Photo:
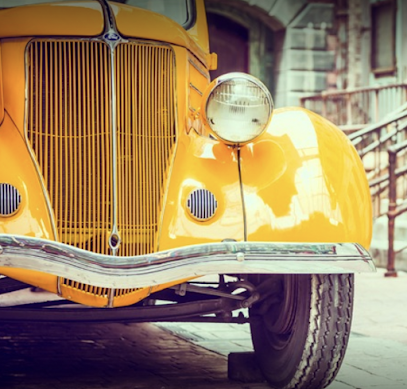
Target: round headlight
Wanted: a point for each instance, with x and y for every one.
(237, 107)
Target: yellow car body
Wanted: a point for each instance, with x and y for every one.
(102, 137)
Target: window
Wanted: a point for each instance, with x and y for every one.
(181, 11)
(383, 37)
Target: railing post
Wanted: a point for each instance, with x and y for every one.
(348, 109)
(391, 213)
(376, 101)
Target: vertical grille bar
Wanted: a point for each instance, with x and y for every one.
(69, 130)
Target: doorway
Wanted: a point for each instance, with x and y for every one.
(230, 41)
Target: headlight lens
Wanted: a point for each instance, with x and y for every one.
(238, 107)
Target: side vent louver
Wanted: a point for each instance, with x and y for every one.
(10, 199)
(202, 204)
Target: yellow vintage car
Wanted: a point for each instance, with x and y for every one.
(133, 188)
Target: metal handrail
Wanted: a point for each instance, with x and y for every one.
(391, 137)
(352, 109)
(343, 92)
(389, 119)
(393, 210)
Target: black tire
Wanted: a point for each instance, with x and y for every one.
(300, 339)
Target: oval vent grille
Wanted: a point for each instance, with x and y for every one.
(10, 199)
(202, 204)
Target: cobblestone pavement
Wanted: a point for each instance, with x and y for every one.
(114, 356)
(174, 355)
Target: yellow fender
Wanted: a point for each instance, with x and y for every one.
(303, 181)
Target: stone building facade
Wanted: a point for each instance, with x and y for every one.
(303, 47)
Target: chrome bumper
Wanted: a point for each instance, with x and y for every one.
(181, 263)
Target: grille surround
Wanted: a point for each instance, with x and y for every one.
(58, 105)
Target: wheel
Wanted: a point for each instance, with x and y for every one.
(300, 334)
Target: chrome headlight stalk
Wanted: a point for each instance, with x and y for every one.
(237, 107)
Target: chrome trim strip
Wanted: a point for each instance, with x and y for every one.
(112, 38)
(110, 297)
(242, 193)
(109, 20)
(115, 230)
(192, 86)
(181, 263)
(206, 75)
(59, 289)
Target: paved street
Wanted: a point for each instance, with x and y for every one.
(149, 356)
(106, 356)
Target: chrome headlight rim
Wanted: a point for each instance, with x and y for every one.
(225, 78)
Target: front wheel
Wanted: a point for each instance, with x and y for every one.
(300, 334)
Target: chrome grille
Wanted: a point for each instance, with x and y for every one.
(70, 132)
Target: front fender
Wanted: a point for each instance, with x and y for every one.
(202, 163)
(303, 181)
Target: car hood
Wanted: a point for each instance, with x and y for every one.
(86, 18)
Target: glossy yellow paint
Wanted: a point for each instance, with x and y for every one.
(80, 18)
(41, 280)
(33, 218)
(78, 295)
(311, 186)
(142, 293)
(13, 57)
(99, 297)
(202, 163)
(181, 91)
(199, 162)
(139, 23)
(199, 32)
(1, 92)
(49, 283)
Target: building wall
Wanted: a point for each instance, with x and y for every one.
(360, 45)
(289, 43)
(402, 40)
(303, 56)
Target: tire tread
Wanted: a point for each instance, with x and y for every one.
(331, 332)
